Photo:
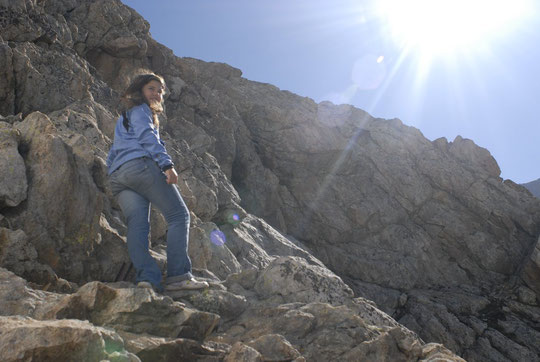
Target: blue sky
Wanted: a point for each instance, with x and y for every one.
(483, 83)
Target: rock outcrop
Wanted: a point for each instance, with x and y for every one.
(303, 214)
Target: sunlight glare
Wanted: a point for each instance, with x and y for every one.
(435, 27)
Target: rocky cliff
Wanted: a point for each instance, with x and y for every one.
(326, 234)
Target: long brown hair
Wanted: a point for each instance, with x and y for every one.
(133, 96)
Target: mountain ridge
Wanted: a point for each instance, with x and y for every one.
(533, 187)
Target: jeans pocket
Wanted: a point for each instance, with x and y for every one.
(136, 174)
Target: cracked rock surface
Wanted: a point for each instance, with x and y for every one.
(339, 236)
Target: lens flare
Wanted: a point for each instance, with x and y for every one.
(233, 218)
(217, 237)
(368, 72)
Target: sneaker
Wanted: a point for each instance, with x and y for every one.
(188, 284)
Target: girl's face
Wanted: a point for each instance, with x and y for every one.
(153, 92)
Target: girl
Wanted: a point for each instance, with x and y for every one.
(141, 172)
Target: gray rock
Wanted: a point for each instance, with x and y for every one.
(97, 303)
(426, 229)
(243, 353)
(527, 296)
(135, 310)
(48, 79)
(109, 27)
(255, 243)
(7, 81)
(23, 338)
(226, 305)
(150, 348)
(63, 207)
(463, 322)
(245, 279)
(379, 204)
(110, 261)
(531, 269)
(17, 298)
(13, 185)
(20, 257)
(274, 347)
(18, 21)
(320, 332)
(209, 192)
(208, 251)
(291, 279)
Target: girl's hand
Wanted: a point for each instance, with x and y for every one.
(172, 176)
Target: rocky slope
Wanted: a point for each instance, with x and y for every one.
(335, 209)
(533, 187)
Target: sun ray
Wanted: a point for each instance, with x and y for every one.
(443, 27)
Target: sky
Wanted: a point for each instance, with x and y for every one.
(449, 68)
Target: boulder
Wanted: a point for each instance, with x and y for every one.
(291, 279)
(227, 305)
(23, 338)
(274, 347)
(151, 348)
(63, 207)
(243, 353)
(19, 256)
(135, 310)
(19, 299)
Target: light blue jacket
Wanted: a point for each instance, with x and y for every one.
(139, 140)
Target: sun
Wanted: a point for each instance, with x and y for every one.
(441, 27)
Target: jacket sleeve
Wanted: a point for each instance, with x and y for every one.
(148, 137)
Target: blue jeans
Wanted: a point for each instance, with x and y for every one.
(136, 184)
